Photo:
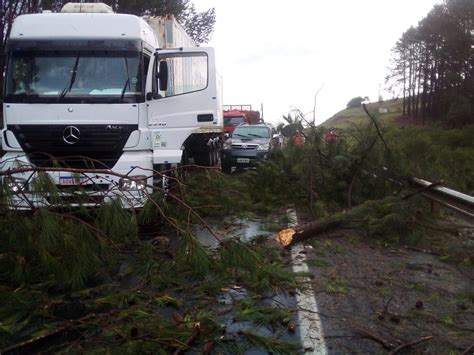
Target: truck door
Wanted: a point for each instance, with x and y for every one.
(191, 98)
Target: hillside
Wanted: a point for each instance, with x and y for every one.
(387, 111)
(433, 151)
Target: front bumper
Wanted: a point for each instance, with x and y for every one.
(93, 192)
(66, 189)
(242, 158)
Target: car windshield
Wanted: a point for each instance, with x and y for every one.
(234, 121)
(69, 76)
(252, 132)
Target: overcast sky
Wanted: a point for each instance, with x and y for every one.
(280, 53)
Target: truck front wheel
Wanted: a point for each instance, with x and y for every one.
(204, 158)
(182, 167)
(226, 168)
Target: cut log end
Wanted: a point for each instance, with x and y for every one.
(289, 236)
(285, 236)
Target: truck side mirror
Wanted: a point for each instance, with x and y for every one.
(163, 75)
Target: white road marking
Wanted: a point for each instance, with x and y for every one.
(309, 323)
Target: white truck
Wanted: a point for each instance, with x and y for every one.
(91, 89)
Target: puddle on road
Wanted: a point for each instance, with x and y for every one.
(246, 230)
(242, 228)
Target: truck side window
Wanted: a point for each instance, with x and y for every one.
(146, 65)
(154, 81)
(187, 72)
(157, 93)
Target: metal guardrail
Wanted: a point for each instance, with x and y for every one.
(452, 199)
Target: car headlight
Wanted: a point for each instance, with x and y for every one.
(16, 185)
(133, 183)
(265, 146)
(227, 146)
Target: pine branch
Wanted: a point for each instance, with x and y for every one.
(88, 225)
(374, 121)
(124, 176)
(68, 324)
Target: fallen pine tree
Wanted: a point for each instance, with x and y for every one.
(393, 220)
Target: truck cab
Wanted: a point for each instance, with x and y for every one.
(92, 93)
(235, 115)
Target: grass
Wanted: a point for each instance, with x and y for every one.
(321, 247)
(317, 262)
(349, 117)
(466, 299)
(448, 320)
(384, 291)
(419, 286)
(431, 152)
(336, 285)
(434, 297)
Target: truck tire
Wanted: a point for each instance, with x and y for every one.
(185, 157)
(204, 158)
(226, 168)
(217, 154)
(182, 172)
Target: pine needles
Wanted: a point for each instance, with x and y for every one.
(78, 279)
(262, 316)
(274, 346)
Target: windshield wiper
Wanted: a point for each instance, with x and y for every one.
(71, 80)
(256, 135)
(240, 135)
(125, 89)
(126, 82)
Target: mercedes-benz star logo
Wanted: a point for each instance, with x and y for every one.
(71, 135)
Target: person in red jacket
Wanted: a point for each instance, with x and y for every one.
(298, 139)
(330, 136)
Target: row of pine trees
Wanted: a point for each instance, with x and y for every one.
(432, 65)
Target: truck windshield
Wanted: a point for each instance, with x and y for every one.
(233, 121)
(252, 132)
(54, 76)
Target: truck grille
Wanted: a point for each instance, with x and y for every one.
(245, 146)
(98, 146)
(65, 200)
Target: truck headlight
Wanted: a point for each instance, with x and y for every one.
(133, 183)
(227, 146)
(265, 146)
(16, 185)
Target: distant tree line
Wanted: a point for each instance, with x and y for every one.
(198, 25)
(433, 65)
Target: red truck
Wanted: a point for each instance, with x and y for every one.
(235, 115)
